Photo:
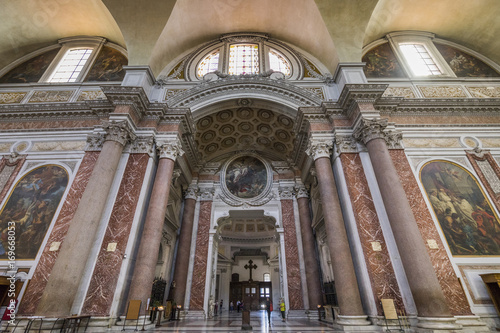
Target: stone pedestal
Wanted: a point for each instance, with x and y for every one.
(245, 321)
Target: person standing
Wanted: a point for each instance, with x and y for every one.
(231, 306)
(282, 309)
(238, 304)
(220, 308)
(268, 309)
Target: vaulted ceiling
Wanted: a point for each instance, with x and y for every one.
(156, 33)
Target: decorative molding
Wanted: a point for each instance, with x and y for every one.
(206, 194)
(370, 129)
(255, 37)
(12, 97)
(247, 84)
(170, 149)
(301, 191)
(48, 96)
(141, 145)
(484, 92)
(442, 107)
(131, 96)
(118, 131)
(94, 142)
(90, 95)
(405, 92)
(286, 192)
(442, 91)
(192, 192)
(319, 148)
(360, 93)
(345, 144)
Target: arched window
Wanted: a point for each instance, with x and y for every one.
(209, 64)
(30, 210)
(468, 221)
(267, 277)
(278, 62)
(243, 59)
(71, 65)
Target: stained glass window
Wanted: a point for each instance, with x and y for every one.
(419, 59)
(243, 59)
(71, 65)
(278, 62)
(209, 64)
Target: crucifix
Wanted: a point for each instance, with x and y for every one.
(250, 267)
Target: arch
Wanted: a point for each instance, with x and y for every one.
(468, 221)
(30, 209)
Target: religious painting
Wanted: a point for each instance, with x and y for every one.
(108, 66)
(468, 221)
(381, 62)
(31, 70)
(463, 64)
(28, 212)
(246, 177)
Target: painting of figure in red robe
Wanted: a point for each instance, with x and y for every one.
(468, 220)
(29, 211)
(246, 177)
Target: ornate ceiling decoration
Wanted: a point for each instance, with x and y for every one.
(244, 129)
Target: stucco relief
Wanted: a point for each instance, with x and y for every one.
(51, 96)
(485, 92)
(88, 95)
(431, 142)
(405, 92)
(442, 91)
(56, 146)
(12, 97)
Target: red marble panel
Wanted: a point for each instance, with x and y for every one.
(448, 280)
(18, 163)
(292, 256)
(378, 263)
(104, 279)
(48, 258)
(407, 119)
(201, 257)
(486, 157)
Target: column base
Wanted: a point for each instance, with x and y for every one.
(193, 314)
(437, 324)
(354, 324)
(297, 314)
(472, 324)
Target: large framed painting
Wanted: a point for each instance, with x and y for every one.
(468, 221)
(30, 209)
(246, 178)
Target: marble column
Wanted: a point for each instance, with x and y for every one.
(310, 261)
(427, 293)
(184, 246)
(350, 306)
(147, 256)
(64, 280)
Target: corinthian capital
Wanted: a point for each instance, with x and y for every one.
(301, 191)
(170, 149)
(317, 149)
(118, 131)
(369, 129)
(192, 192)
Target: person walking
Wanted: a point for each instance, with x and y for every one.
(282, 309)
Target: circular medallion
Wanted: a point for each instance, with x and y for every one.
(246, 177)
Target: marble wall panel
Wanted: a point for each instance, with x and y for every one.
(490, 181)
(64, 124)
(448, 280)
(485, 92)
(201, 257)
(292, 256)
(9, 169)
(446, 118)
(378, 262)
(107, 269)
(432, 142)
(48, 258)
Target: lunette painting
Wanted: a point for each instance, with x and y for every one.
(246, 177)
(29, 210)
(467, 219)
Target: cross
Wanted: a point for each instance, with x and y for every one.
(250, 267)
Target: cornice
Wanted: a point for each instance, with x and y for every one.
(86, 109)
(247, 84)
(125, 95)
(400, 106)
(368, 93)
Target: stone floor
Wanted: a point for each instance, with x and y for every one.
(231, 322)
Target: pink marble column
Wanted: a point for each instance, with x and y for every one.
(197, 299)
(294, 282)
(103, 283)
(343, 268)
(311, 263)
(63, 283)
(184, 246)
(427, 293)
(147, 256)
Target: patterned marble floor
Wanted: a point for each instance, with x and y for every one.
(231, 322)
